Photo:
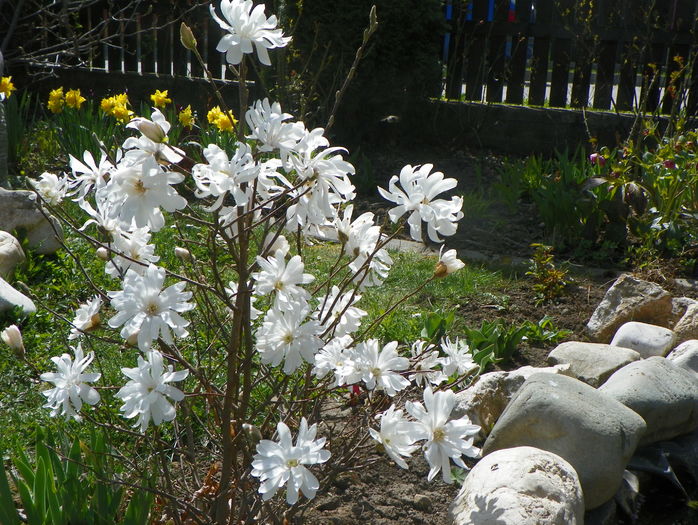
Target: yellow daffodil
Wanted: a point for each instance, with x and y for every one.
(107, 105)
(160, 99)
(186, 118)
(56, 100)
(73, 99)
(220, 120)
(122, 113)
(213, 114)
(6, 87)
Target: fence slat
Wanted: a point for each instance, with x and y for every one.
(130, 46)
(677, 58)
(516, 72)
(456, 53)
(561, 69)
(476, 51)
(495, 69)
(625, 99)
(163, 24)
(539, 71)
(582, 74)
(113, 41)
(147, 39)
(651, 81)
(214, 58)
(605, 69)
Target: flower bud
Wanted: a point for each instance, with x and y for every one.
(448, 263)
(103, 253)
(280, 243)
(187, 37)
(252, 432)
(183, 254)
(597, 159)
(132, 339)
(12, 337)
(151, 130)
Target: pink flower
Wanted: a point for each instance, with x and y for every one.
(669, 164)
(597, 159)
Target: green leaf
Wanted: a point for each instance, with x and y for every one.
(8, 513)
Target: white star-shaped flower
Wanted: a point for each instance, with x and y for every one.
(147, 311)
(70, 384)
(145, 395)
(445, 440)
(282, 463)
(247, 26)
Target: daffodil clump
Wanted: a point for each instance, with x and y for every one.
(186, 117)
(257, 345)
(6, 87)
(160, 99)
(56, 100)
(223, 122)
(117, 106)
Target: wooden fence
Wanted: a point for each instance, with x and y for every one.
(605, 54)
(149, 43)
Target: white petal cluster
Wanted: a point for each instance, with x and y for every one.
(86, 317)
(247, 26)
(282, 279)
(146, 395)
(378, 367)
(89, 174)
(222, 175)
(397, 435)
(337, 314)
(153, 140)
(459, 359)
(70, 382)
(279, 463)
(146, 311)
(445, 440)
(132, 251)
(416, 195)
(425, 358)
(285, 337)
(51, 188)
(448, 263)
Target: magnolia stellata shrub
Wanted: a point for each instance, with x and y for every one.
(237, 328)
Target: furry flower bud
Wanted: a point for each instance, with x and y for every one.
(12, 337)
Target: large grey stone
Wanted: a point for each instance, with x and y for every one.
(592, 363)
(647, 339)
(10, 298)
(11, 254)
(520, 486)
(19, 209)
(562, 415)
(629, 299)
(685, 356)
(665, 395)
(485, 400)
(679, 305)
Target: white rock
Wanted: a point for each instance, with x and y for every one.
(685, 356)
(485, 400)
(520, 486)
(687, 327)
(562, 415)
(665, 395)
(10, 298)
(11, 254)
(19, 209)
(647, 339)
(629, 299)
(592, 363)
(679, 305)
